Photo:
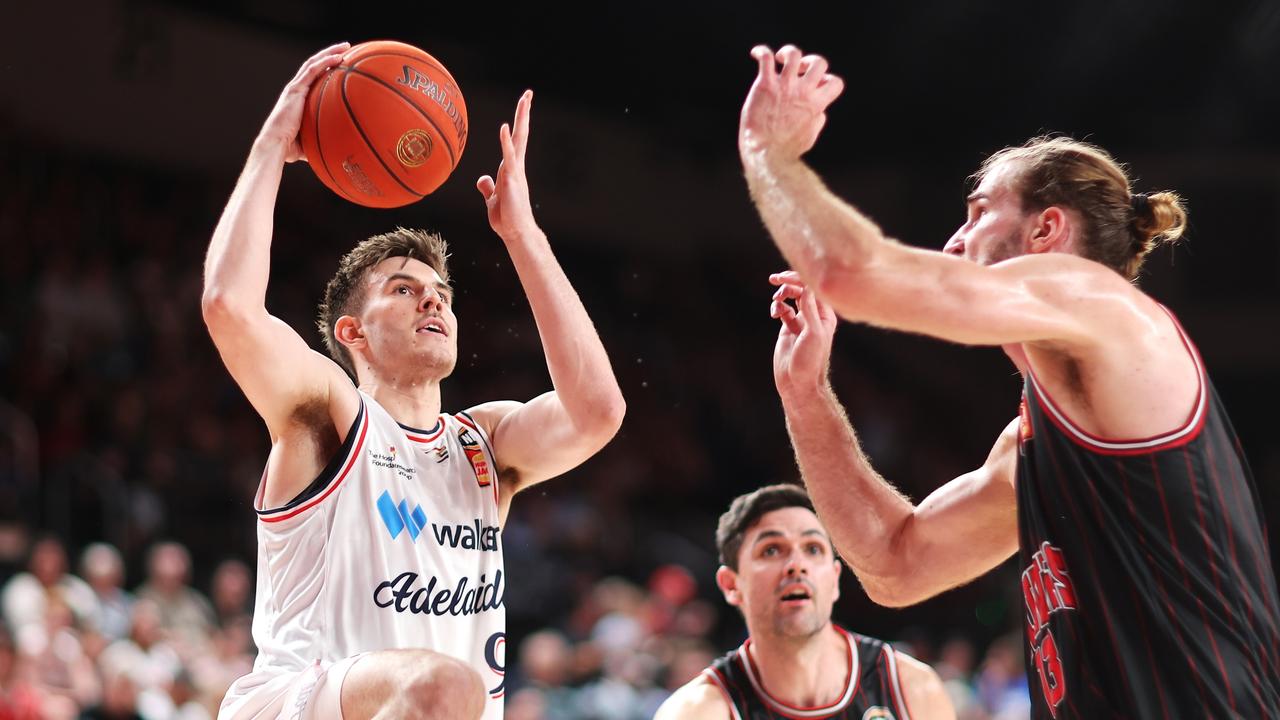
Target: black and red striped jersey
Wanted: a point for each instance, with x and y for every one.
(871, 690)
(1148, 587)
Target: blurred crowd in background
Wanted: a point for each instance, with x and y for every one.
(128, 460)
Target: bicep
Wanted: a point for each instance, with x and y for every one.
(1026, 299)
(536, 440)
(274, 367)
(961, 530)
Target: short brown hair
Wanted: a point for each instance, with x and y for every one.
(745, 510)
(344, 295)
(1121, 226)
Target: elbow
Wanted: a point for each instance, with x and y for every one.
(220, 310)
(602, 418)
(609, 412)
(891, 592)
(846, 286)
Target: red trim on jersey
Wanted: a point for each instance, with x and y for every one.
(410, 434)
(895, 688)
(851, 682)
(1185, 433)
(351, 461)
(721, 683)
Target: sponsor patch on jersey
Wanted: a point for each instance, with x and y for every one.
(475, 454)
(878, 712)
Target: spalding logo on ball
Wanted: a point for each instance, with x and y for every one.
(386, 127)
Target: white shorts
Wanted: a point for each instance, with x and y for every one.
(311, 694)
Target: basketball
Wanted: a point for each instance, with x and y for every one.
(386, 127)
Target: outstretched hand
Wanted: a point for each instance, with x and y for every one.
(507, 198)
(803, 350)
(786, 109)
(286, 117)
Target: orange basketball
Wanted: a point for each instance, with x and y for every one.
(385, 127)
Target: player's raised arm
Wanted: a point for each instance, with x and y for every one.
(274, 367)
(848, 260)
(902, 553)
(560, 429)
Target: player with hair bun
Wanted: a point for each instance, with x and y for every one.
(1146, 578)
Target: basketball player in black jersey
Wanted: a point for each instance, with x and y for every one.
(1147, 582)
(779, 569)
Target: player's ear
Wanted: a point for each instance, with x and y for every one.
(727, 581)
(349, 332)
(1051, 231)
(836, 580)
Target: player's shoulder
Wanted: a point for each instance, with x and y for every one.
(925, 693)
(698, 699)
(488, 415)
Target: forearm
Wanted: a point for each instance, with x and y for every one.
(576, 359)
(865, 515)
(238, 264)
(816, 231)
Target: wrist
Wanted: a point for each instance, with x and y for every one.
(269, 147)
(797, 394)
(524, 234)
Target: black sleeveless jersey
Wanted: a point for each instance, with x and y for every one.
(1147, 583)
(871, 692)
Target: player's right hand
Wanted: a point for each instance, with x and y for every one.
(285, 120)
(803, 351)
(786, 107)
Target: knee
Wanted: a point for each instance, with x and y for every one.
(446, 688)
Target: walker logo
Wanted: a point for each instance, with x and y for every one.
(471, 536)
(398, 517)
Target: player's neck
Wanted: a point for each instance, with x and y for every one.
(803, 673)
(415, 402)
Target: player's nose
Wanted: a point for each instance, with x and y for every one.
(955, 245)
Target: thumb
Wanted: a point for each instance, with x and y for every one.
(485, 186)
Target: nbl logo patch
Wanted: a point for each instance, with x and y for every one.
(476, 455)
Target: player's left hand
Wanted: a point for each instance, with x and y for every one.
(803, 350)
(507, 199)
(786, 109)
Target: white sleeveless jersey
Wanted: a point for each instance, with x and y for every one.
(395, 545)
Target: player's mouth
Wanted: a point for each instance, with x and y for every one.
(434, 325)
(796, 594)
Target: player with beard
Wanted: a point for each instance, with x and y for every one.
(1146, 579)
(380, 579)
(778, 568)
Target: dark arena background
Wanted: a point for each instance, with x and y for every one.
(123, 125)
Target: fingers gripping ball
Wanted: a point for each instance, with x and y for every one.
(385, 127)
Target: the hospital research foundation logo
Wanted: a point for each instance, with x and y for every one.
(878, 712)
(389, 461)
(1046, 591)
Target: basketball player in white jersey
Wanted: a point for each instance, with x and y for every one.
(778, 567)
(380, 580)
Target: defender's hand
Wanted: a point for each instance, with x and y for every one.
(803, 350)
(786, 109)
(507, 199)
(286, 117)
